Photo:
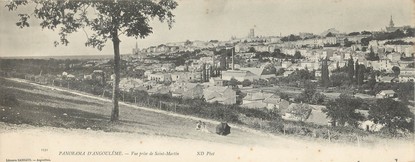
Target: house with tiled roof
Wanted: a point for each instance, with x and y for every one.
(255, 100)
(126, 84)
(187, 90)
(317, 116)
(159, 89)
(160, 77)
(384, 79)
(386, 94)
(275, 102)
(239, 75)
(216, 81)
(407, 75)
(223, 95)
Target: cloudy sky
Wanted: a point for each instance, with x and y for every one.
(218, 19)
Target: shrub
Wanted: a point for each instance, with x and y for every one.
(7, 98)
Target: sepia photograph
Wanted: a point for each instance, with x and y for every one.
(207, 80)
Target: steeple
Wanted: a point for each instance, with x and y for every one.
(391, 23)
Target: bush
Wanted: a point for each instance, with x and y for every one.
(7, 98)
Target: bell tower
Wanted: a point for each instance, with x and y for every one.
(391, 24)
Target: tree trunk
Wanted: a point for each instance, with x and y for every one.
(116, 81)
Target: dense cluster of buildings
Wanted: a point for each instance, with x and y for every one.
(212, 70)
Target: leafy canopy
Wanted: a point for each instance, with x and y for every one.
(395, 115)
(343, 110)
(107, 18)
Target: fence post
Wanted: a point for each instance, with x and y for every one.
(135, 99)
(328, 133)
(160, 105)
(175, 107)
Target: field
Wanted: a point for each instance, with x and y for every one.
(60, 120)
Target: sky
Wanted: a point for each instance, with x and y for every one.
(217, 20)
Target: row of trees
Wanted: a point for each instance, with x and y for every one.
(355, 72)
(389, 35)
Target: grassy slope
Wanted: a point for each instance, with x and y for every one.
(45, 107)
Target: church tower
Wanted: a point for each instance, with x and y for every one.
(391, 24)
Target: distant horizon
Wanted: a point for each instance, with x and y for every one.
(217, 20)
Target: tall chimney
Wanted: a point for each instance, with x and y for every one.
(233, 64)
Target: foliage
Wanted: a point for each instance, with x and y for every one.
(308, 93)
(353, 33)
(398, 42)
(339, 78)
(396, 70)
(297, 55)
(350, 71)
(302, 111)
(348, 43)
(331, 45)
(290, 38)
(356, 71)
(284, 96)
(405, 91)
(366, 32)
(325, 80)
(318, 98)
(260, 83)
(372, 56)
(394, 35)
(251, 49)
(342, 110)
(246, 83)
(233, 82)
(8, 98)
(330, 35)
(365, 42)
(302, 75)
(360, 74)
(395, 115)
(69, 16)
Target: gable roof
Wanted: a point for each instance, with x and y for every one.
(274, 99)
(257, 96)
(238, 73)
(256, 71)
(387, 92)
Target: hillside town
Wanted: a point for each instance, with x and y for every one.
(270, 73)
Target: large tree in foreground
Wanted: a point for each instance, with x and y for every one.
(342, 110)
(106, 19)
(394, 115)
